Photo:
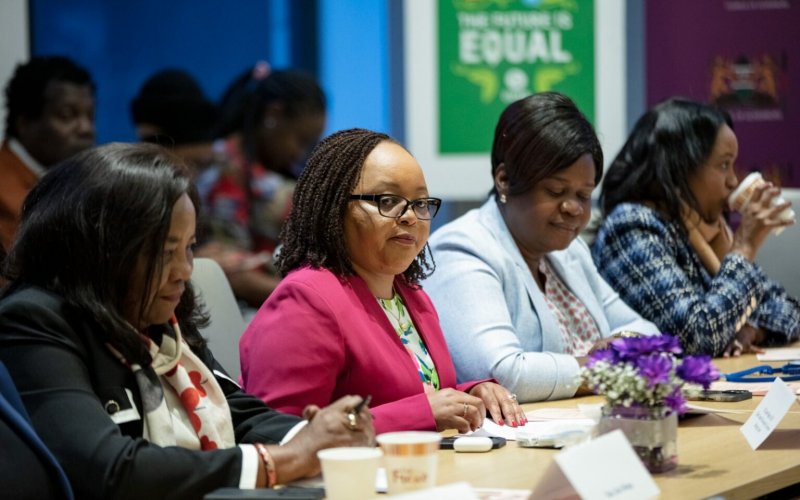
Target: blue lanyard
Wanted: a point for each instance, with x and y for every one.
(787, 372)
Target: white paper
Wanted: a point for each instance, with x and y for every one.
(605, 468)
(534, 428)
(779, 354)
(768, 414)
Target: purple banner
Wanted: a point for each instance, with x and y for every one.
(743, 55)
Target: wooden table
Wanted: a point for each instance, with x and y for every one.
(713, 456)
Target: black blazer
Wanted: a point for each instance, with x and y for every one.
(72, 385)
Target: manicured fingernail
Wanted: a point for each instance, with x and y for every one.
(513, 423)
(500, 423)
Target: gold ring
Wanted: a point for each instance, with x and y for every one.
(466, 407)
(352, 421)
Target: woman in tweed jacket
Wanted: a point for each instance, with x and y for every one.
(665, 245)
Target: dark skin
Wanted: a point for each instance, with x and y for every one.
(65, 127)
(549, 216)
(711, 185)
(283, 140)
(327, 428)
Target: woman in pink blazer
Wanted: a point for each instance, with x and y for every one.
(349, 317)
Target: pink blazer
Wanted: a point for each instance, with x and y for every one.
(319, 337)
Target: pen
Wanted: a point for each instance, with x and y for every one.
(352, 415)
(364, 402)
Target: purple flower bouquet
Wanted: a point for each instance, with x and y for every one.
(647, 372)
(644, 380)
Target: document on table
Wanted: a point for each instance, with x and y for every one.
(541, 422)
(779, 354)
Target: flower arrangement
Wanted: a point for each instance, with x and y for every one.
(647, 371)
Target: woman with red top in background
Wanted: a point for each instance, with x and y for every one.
(270, 119)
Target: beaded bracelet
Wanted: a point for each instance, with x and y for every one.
(269, 464)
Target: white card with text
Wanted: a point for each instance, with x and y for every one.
(602, 469)
(768, 414)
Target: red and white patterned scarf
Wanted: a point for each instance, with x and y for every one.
(176, 368)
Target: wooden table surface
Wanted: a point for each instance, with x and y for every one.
(713, 455)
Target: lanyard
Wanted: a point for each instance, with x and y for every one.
(765, 373)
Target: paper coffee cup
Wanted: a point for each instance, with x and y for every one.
(740, 196)
(411, 459)
(349, 473)
(743, 193)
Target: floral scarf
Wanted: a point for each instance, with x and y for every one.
(176, 368)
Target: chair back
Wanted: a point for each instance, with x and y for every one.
(778, 256)
(227, 324)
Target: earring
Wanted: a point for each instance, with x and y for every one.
(503, 198)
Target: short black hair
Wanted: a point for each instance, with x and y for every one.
(25, 90)
(173, 101)
(670, 142)
(314, 232)
(88, 222)
(540, 135)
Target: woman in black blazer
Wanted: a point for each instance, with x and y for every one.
(98, 329)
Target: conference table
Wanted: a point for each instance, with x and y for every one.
(714, 459)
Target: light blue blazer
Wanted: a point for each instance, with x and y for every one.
(494, 316)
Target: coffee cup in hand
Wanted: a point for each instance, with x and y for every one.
(743, 193)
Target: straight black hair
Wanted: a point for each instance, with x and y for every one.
(540, 135)
(668, 144)
(90, 222)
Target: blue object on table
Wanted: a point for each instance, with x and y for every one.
(765, 373)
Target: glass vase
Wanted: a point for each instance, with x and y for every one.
(652, 431)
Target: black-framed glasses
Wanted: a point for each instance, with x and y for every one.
(394, 206)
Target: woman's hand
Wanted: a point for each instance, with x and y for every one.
(454, 409)
(328, 427)
(746, 341)
(501, 403)
(758, 219)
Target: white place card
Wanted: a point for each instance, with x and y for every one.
(779, 354)
(605, 468)
(768, 414)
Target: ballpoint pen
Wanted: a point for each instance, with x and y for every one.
(352, 415)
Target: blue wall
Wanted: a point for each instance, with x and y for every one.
(354, 62)
(122, 43)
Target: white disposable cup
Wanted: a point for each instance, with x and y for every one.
(743, 193)
(411, 459)
(349, 473)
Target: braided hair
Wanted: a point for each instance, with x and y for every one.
(314, 232)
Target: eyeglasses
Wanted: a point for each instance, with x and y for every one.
(394, 206)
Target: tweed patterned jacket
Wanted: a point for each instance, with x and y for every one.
(649, 262)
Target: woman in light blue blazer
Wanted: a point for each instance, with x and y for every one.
(518, 295)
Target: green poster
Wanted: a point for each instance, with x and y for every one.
(493, 52)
